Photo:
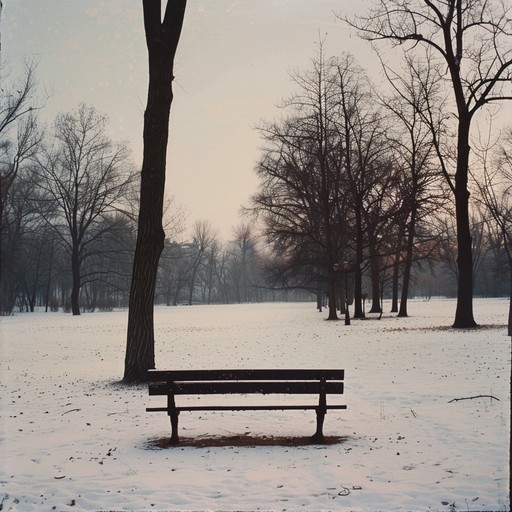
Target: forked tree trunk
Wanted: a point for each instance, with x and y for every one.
(162, 40)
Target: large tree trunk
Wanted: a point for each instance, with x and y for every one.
(358, 275)
(332, 295)
(395, 283)
(408, 265)
(464, 311)
(162, 40)
(358, 290)
(375, 273)
(49, 277)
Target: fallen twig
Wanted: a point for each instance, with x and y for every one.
(71, 410)
(472, 397)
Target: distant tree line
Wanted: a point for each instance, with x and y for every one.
(69, 197)
(347, 174)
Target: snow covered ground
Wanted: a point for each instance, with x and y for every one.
(73, 439)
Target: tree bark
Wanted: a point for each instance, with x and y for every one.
(464, 312)
(375, 272)
(395, 283)
(358, 275)
(408, 264)
(332, 295)
(162, 40)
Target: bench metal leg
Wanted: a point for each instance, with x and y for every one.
(320, 413)
(173, 415)
(319, 435)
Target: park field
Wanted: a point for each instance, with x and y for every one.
(416, 434)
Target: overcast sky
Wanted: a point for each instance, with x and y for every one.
(232, 69)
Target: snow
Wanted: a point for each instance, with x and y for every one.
(73, 438)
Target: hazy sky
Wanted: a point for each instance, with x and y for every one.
(232, 69)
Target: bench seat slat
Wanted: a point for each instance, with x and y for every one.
(244, 408)
(238, 374)
(244, 387)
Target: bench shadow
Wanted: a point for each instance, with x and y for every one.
(241, 441)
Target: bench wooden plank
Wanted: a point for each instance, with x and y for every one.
(244, 387)
(245, 374)
(245, 408)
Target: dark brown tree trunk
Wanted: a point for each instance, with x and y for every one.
(358, 291)
(32, 293)
(375, 273)
(405, 290)
(49, 276)
(464, 312)
(408, 264)
(358, 275)
(162, 40)
(332, 296)
(394, 291)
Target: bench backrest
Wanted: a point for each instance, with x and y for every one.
(192, 382)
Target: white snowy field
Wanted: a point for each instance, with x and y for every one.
(73, 439)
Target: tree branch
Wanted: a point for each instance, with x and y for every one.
(473, 397)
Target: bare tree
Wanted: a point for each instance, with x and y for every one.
(496, 194)
(107, 269)
(243, 262)
(19, 232)
(300, 196)
(171, 259)
(327, 179)
(84, 176)
(204, 238)
(19, 132)
(367, 170)
(211, 272)
(473, 41)
(415, 88)
(162, 37)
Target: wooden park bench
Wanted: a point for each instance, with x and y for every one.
(171, 383)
